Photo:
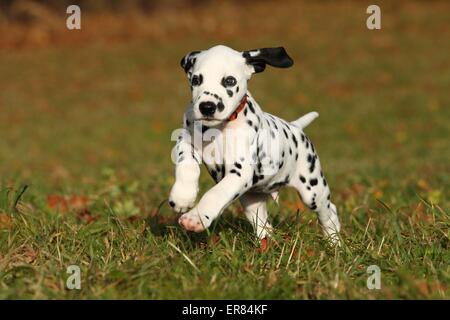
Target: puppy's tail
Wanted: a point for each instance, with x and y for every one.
(305, 120)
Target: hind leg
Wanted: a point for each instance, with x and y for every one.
(255, 206)
(317, 198)
(315, 193)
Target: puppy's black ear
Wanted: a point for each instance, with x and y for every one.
(276, 57)
(189, 60)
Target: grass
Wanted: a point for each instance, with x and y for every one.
(85, 161)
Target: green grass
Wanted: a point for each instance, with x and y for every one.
(95, 121)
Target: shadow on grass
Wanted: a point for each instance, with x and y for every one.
(162, 226)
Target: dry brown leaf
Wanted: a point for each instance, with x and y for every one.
(24, 254)
(86, 216)
(57, 203)
(64, 204)
(78, 202)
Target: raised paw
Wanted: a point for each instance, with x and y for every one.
(192, 221)
(182, 198)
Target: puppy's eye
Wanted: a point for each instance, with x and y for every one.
(196, 80)
(229, 81)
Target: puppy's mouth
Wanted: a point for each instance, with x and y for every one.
(209, 122)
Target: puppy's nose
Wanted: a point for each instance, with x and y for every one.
(207, 108)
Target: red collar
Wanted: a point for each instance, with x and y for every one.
(239, 108)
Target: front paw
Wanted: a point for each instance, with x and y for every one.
(182, 197)
(193, 221)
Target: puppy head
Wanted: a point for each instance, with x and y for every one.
(218, 78)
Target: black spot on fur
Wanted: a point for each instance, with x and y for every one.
(235, 172)
(285, 133)
(324, 182)
(238, 165)
(230, 93)
(272, 134)
(218, 168)
(295, 140)
(220, 107)
(277, 185)
(313, 164)
(250, 123)
(250, 105)
(237, 89)
(312, 160)
(214, 175)
(255, 178)
(302, 179)
(274, 124)
(313, 182)
(290, 151)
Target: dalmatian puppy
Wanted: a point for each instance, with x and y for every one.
(250, 154)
